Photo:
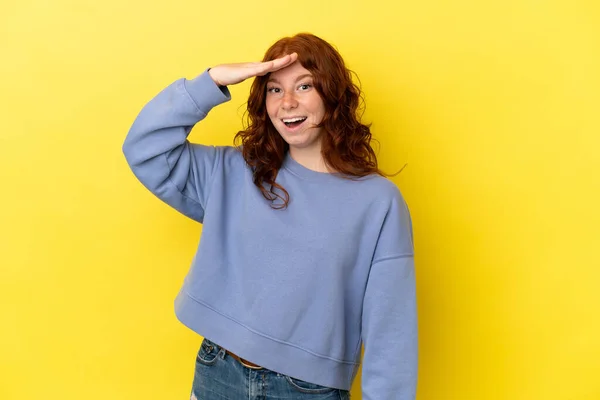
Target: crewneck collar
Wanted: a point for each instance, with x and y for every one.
(305, 173)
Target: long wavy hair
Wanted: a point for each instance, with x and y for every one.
(345, 143)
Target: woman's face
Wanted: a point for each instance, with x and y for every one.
(295, 107)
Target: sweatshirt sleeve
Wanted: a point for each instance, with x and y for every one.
(158, 152)
(389, 322)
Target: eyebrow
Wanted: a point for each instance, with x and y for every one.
(297, 79)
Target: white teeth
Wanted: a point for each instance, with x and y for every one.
(289, 120)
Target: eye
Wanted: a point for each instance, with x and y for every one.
(273, 90)
(305, 86)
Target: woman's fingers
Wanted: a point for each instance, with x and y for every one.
(230, 74)
(284, 61)
(276, 64)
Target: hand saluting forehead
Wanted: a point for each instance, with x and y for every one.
(231, 74)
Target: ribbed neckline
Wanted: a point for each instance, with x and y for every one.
(301, 171)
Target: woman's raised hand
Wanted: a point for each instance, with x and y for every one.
(230, 74)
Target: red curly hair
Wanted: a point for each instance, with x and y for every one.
(345, 144)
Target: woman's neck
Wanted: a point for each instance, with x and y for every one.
(310, 158)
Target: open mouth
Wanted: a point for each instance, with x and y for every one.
(293, 122)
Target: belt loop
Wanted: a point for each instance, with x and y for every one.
(221, 353)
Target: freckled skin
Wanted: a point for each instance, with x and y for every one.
(290, 93)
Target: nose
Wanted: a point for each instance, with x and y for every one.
(289, 101)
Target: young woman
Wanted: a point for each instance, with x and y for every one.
(306, 251)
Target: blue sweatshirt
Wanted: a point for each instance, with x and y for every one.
(296, 290)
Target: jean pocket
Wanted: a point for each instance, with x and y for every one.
(307, 387)
(208, 352)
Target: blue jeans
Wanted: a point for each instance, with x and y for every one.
(219, 376)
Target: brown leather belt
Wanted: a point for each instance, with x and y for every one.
(245, 363)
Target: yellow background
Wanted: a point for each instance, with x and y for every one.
(494, 106)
